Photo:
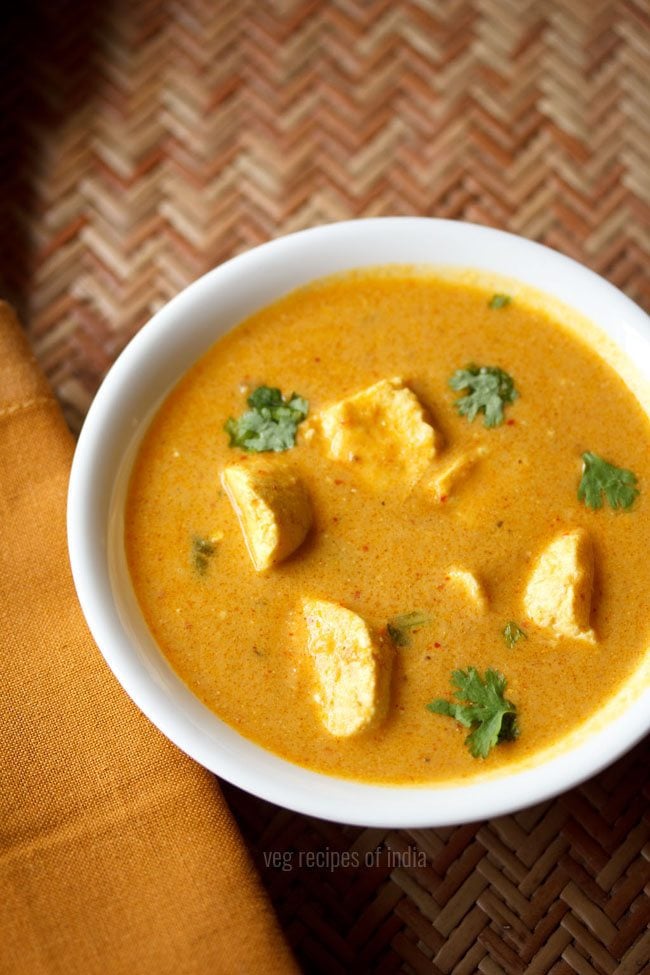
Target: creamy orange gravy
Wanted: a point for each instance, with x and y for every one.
(235, 636)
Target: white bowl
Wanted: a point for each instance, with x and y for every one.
(144, 373)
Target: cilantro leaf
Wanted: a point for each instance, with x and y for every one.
(513, 633)
(599, 477)
(202, 551)
(271, 423)
(499, 301)
(489, 389)
(482, 707)
(265, 396)
(399, 627)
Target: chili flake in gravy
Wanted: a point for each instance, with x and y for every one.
(393, 527)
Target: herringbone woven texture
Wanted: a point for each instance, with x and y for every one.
(142, 143)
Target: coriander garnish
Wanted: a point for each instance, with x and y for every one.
(599, 477)
(489, 390)
(202, 551)
(499, 301)
(400, 627)
(271, 423)
(513, 633)
(485, 709)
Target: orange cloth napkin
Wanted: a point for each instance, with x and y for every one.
(118, 854)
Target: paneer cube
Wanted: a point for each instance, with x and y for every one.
(273, 508)
(352, 670)
(558, 594)
(383, 433)
(446, 478)
(470, 587)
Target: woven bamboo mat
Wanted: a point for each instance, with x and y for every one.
(142, 143)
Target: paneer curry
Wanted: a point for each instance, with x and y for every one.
(394, 527)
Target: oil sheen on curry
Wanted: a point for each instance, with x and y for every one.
(394, 527)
